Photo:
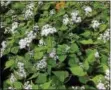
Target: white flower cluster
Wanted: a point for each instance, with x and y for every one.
(52, 12)
(105, 36)
(29, 11)
(95, 24)
(27, 85)
(78, 88)
(75, 17)
(41, 64)
(21, 72)
(4, 3)
(65, 19)
(107, 76)
(3, 48)
(52, 54)
(47, 29)
(14, 26)
(27, 40)
(41, 42)
(11, 88)
(12, 78)
(87, 10)
(101, 86)
(97, 54)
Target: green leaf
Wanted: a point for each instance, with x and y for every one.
(63, 28)
(45, 6)
(103, 27)
(86, 34)
(61, 75)
(62, 57)
(77, 70)
(9, 63)
(18, 85)
(38, 55)
(90, 56)
(83, 79)
(97, 79)
(14, 49)
(42, 78)
(74, 48)
(34, 76)
(61, 12)
(46, 85)
(86, 65)
(89, 41)
(51, 62)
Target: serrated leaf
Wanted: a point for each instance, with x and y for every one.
(74, 48)
(46, 85)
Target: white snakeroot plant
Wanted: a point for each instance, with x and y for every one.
(14, 26)
(26, 41)
(97, 54)
(107, 76)
(52, 12)
(27, 85)
(12, 78)
(105, 36)
(65, 19)
(41, 64)
(3, 44)
(29, 11)
(101, 86)
(95, 24)
(48, 29)
(75, 17)
(41, 42)
(87, 10)
(53, 54)
(21, 72)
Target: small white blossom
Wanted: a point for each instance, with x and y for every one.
(40, 2)
(65, 19)
(11, 88)
(28, 14)
(107, 76)
(3, 48)
(36, 28)
(27, 85)
(41, 42)
(27, 40)
(95, 24)
(101, 86)
(21, 72)
(12, 78)
(105, 36)
(52, 12)
(97, 54)
(87, 10)
(41, 64)
(14, 26)
(47, 29)
(75, 17)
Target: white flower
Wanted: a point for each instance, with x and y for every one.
(28, 14)
(14, 26)
(52, 12)
(27, 85)
(95, 24)
(21, 72)
(3, 44)
(40, 2)
(22, 43)
(75, 17)
(52, 53)
(97, 54)
(65, 19)
(26, 41)
(101, 86)
(41, 42)
(107, 76)
(41, 64)
(36, 28)
(105, 36)
(30, 6)
(87, 10)
(12, 78)
(11, 88)
(47, 29)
